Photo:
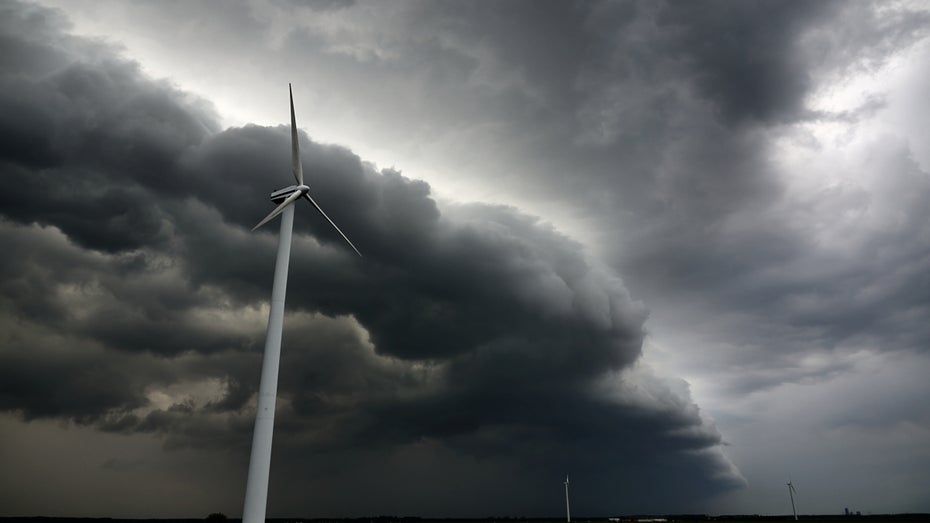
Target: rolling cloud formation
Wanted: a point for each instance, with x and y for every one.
(472, 338)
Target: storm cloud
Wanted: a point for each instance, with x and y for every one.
(752, 173)
(471, 340)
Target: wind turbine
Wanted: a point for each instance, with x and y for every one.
(568, 512)
(256, 489)
(791, 493)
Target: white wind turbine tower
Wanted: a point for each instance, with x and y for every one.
(256, 490)
(568, 512)
(791, 493)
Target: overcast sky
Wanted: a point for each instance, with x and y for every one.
(677, 250)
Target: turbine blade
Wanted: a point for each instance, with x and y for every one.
(344, 237)
(296, 168)
(279, 209)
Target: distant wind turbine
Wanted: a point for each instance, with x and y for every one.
(791, 493)
(568, 512)
(256, 489)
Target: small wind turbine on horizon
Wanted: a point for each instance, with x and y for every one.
(568, 512)
(791, 493)
(256, 490)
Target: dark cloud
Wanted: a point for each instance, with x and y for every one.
(743, 55)
(712, 226)
(674, 130)
(827, 272)
(320, 4)
(133, 294)
(684, 140)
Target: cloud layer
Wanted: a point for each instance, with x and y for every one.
(472, 340)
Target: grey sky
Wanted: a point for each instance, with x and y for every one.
(677, 250)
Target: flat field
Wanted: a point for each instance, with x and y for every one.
(684, 518)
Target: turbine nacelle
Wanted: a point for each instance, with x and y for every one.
(281, 194)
